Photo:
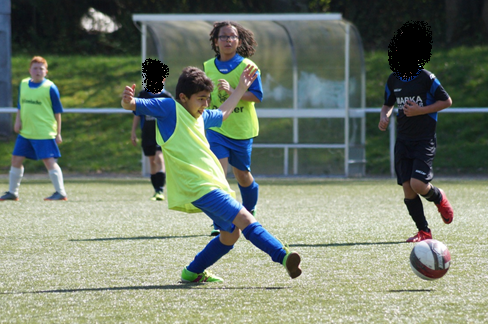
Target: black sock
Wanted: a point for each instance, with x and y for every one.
(416, 210)
(433, 195)
(158, 181)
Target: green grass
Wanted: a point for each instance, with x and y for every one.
(111, 255)
(101, 143)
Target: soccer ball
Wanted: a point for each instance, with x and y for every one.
(430, 259)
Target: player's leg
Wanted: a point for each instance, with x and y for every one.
(22, 149)
(240, 159)
(403, 169)
(424, 174)
(48, 152)
(16, 174)
(56, 176)
(158, 176)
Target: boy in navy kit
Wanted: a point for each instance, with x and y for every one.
(38, 123)
(150, 147)
(195, 179)
(419, 96)
(232, 142)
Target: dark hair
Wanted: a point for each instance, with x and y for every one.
(191, 81)
(248, 43)
(153, 73)
(410, 48)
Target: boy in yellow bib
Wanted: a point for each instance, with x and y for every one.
(38, 123)
(195, 179)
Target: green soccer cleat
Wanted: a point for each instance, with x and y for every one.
(56, 196)
(9, 196)
(158, 196)
(291, 262)
(205, 276)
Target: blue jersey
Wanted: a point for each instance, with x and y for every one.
(148, 122)
(53, 93)
(164, 110)
(225, 67)
(424, 89)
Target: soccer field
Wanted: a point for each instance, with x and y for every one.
(110, 255)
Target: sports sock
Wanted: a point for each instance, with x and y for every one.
(433, 195)
(416, 210)
(264, 241)
(249, 196)
(158, 180)
(210, 254)
(56, 176)
(15, 176)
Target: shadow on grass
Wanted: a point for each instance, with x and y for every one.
(164, 287)
(136, 238)
(346, 244)
(410, 290)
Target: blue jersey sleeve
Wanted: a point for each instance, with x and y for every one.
(55, 99)
(212, 118)
(163, 109)
(257, 88)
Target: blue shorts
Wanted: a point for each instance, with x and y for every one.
(220, 207)
(238, 151)
(36, 149)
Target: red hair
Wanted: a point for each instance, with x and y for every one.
(38, 59)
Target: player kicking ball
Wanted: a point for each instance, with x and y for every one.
(195, 179)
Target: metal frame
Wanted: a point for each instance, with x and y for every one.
(294, 113)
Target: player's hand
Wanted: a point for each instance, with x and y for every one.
(17, 127)
(59, 139)
(128, 93)
(224, 85)
(384, 122)
(248, 76)
(133, 138)
(411, 108)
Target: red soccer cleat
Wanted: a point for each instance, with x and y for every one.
(420, 236)
(445, 209)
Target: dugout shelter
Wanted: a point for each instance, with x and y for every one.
(312, 118)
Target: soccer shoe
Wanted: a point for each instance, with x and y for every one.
(9, 196)
(158, 196)
(420, 236)
(214, 232)
(445, 209)
(292, 263)
(205, 276)
(56, 196)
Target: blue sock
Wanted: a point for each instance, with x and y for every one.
(209, 255)
(264, 241)
(250, 196)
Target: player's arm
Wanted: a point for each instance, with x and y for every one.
(18, 122)
(133, 136)
(385, 117)
(248, 95)
(412, 109)
(59, 139)
(247, 77)
(128, 102)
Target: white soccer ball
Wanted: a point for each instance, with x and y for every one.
(430, 259)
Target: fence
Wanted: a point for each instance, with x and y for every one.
(274, 113)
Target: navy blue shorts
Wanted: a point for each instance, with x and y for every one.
(220, 207)
(238, 151)
(36, 149)
(414, 159)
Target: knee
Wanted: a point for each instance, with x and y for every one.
(419, 186)
(227, 238)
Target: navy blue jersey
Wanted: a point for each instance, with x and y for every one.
(424, 89)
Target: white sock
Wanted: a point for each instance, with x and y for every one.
(15, 176)
(56, 176)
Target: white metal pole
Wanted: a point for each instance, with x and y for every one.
(346, 103)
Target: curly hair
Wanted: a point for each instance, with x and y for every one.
(192, 80)
(248, 43)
